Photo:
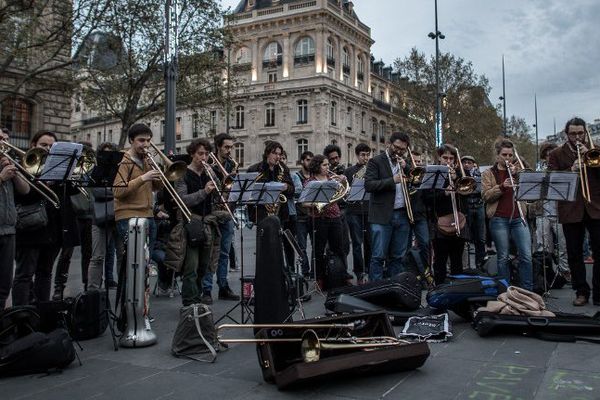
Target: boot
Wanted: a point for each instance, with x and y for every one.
(225, 293)
(58, 292)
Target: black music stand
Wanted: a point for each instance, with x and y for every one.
(547, 186)
(317, 192)
(103, 176)
(358, 194)
(434, 178)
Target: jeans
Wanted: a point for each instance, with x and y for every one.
(420, 230)
(548, 235)
(99, 255)
(33, 262)
(7, 249)
(476, 220)
(357, 225)
(303, 230)
(503, 230)
(227, 230)
(574, 234)
(328, 232)
(389, 242)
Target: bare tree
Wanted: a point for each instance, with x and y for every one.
(131, 87)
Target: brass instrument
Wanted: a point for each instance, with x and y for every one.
(24, 173)
(453, 191)
(340, 193)
(273, 209)
(512, 182)
(465, 184)
(416, 174)
(173, 170)
(227, 181)
(520, 161)
(215, 180)
(310, 343)
(236, 165)
(587, 159)
(360, 174)
(405, 192)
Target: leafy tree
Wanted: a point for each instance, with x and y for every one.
(519, 132)
(129, 85)
(469, 120)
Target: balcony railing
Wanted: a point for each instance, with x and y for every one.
(382, 105)
(274, 62)
(242, 66)
(360, 75)
(331, 61)
(304, 59)
(346, 68)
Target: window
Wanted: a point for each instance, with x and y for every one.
(243, 56)
(162, 130)
(273, 55)
(362, 122)
(98, 138)
(238, 151)
(305, 51)
(195, 125)
(302, 111)
(333, 113)
(270, 114)
(213, 122)
(349, 119)
(330, 54)
(360, 68)
(374, 130)
(346, 61)
(302, 146)
(178, 128)
(272, 77)
(239, 117)
(16, 115)
(110, 136)
(382, 132)
(346, 80)
(381, 95)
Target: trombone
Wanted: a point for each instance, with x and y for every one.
(453, 191)
(416, 173)
(227, 181)
(587, 159)
(512, 183)
(23, 171)
(174, 170)
(465, 184)
(215, 180)
(405, 192)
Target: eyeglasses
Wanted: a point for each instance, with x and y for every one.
(574, 134)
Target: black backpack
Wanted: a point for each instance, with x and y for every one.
(336, 274)
(24, 350)
(88, 317)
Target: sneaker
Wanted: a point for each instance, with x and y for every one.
(361, 279)
(580, 301)
(588, 260)
(163, 292)
(112, 284)
(234, 269)
(206, 299)
(227, 294)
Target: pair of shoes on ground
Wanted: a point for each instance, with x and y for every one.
(582, 300)
(225, 293)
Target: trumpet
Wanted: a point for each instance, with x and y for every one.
(311, 344)
(173, 170)
(29, 159)
(215, 180)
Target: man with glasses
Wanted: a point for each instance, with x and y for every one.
(303, 221)
(581, 215)
(333, 153)
(390, 227)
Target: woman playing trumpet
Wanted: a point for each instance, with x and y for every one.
(507, 216)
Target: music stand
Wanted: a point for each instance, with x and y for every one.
(317, 192)
(547, 186)
(358, 194)
(434, 177)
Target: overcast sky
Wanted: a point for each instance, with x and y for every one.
(551, 47)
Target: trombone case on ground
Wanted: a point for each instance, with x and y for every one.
(282, 363)
(487, 324)
(402, 292)
(465, 293)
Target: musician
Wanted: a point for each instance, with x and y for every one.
(38, 248)
(303, 222)
(356, 215)
(390, 227)
(578, 216)
(10, 183)
(293, 216)
(223, 146)
(134, 185)
(196, 189)
(333, 153)
(271, 170)
(420, 228)
(475, 212)
(447, 245)
(507, 216)
(327, 223)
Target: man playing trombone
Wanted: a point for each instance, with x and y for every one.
(507, 216)
(584, 213)
(10, 182)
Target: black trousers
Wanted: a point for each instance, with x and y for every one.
(66, 253)
(7, 260)
(444, 248)
(574, 237)
(33, 262)
(328, 233)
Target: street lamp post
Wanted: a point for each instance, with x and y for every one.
(438, 101)
(503, 98)
(537, 143)
(170, 73)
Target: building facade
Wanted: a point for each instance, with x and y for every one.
(304, 77)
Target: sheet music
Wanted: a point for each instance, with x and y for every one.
(562, 185)
(58, 160)
(435, 177)
(241, 184)
(531, 186)
(265, 193)
(318, 191)
(358, 192)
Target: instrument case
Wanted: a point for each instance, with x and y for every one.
(487, 324)
(282, 363)
(402, 292)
